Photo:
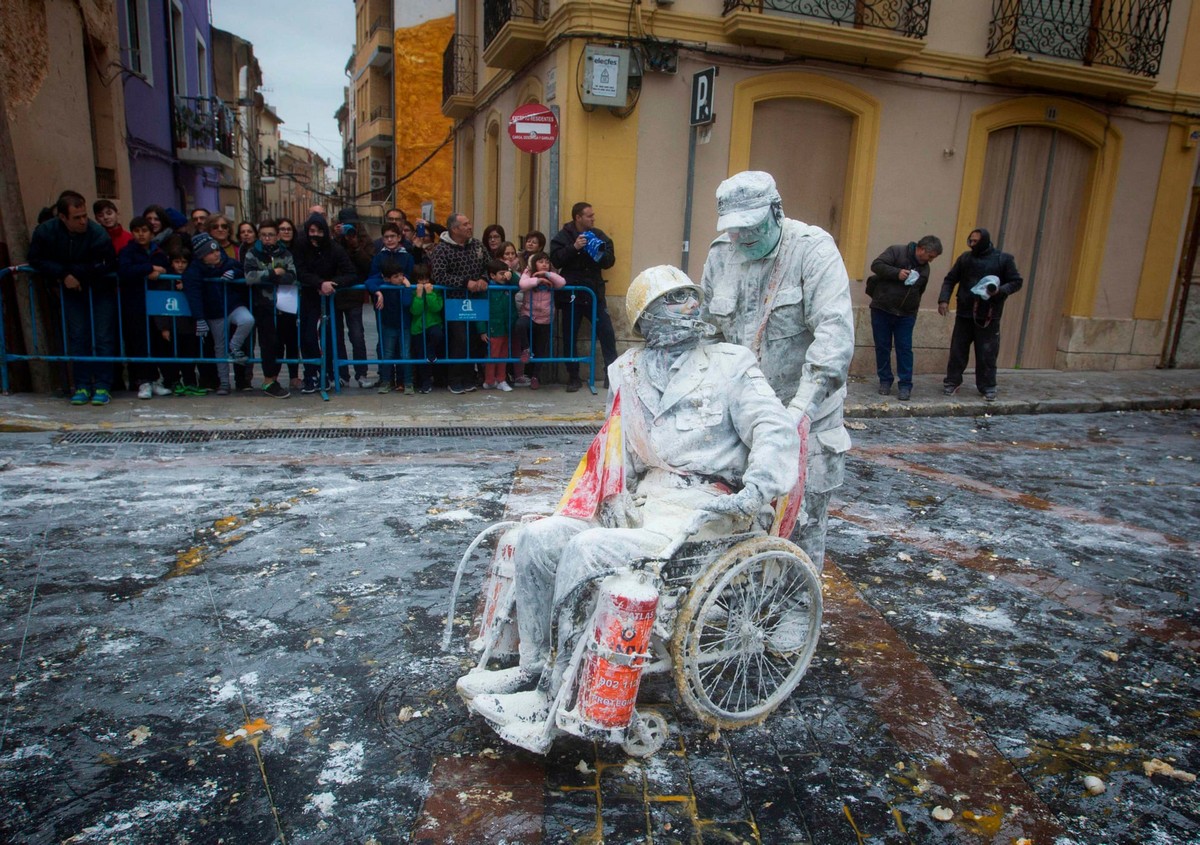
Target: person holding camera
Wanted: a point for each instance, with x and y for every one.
(980, 304)
(898, 278)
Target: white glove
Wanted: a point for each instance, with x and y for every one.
(746, 501)
(201, 328)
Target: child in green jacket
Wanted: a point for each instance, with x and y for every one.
(428, 336)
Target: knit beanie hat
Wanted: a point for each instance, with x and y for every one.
(203, 245)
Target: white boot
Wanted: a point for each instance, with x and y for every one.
(519, 718)
(494, 682)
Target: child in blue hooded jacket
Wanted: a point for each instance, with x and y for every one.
(218, 297)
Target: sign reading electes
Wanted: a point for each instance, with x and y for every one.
(533, 128)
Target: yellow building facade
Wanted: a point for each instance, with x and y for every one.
(881, 123)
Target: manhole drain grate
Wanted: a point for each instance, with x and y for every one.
(217, 435)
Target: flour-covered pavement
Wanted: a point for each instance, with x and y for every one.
(238, 641)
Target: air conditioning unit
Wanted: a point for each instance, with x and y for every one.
(378, 182)
(378, 165)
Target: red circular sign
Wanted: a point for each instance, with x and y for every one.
(533, 128)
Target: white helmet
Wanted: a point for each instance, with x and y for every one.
(652, 283)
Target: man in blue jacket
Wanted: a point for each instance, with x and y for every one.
(977, 320)
(77, 253)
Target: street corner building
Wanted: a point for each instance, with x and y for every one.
(1070, 130)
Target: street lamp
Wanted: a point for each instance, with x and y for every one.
(268, 169)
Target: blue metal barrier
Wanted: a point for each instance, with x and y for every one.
(510, 291)
(177, 310)
(172, 304)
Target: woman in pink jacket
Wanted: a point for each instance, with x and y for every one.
(537, 310)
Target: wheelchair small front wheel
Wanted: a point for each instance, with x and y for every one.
(747, 632)
(646, 733)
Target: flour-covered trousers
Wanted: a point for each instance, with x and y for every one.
(555, 557)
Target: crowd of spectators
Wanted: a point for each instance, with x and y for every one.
(279, 294)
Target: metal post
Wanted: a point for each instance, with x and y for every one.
(687, 203)
(553, 187)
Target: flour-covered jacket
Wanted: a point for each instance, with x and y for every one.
(717, 419)
(807, 341)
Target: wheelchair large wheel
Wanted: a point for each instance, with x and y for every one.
(746, 632)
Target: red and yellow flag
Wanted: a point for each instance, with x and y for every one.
(601, 472)
(787, 507)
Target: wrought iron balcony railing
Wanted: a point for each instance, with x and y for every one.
(1123, 34)
(204, 124)
(458, 67)
(909, 18)
(496, 13)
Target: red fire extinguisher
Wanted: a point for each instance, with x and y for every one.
(612, 670)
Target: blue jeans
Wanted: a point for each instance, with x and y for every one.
(91, 333)
(888, 328)
(394, 338)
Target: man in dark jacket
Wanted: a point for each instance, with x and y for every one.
(348, 304)
(977, 320)
(580, 251)
(459, 264)
(322, 266)
(899, 276)
(78, 254)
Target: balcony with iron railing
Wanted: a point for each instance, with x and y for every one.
(1109, 47)
(458, 77)
(203, 132)
(513, 31)
(870, 31)
(376, 49)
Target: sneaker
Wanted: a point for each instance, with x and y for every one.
(195, 390)
(989, 395)
(245, 385)
(81, 397)
(158, 390)
(461, 388)
(101, 396)
(384, 387)
(487, 385)
(885, 389)
(145, 391)
(310, 385)
(503, 387)
(904, 394)
(223, 390)
(180, 389)
(366, 382)
(427, 388)
(574, 384)
(950, 389)
(276, 390)
(534, 384)
(522, 381)
(408, 390)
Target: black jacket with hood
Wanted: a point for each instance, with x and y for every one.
(981, 260)
(323, 261)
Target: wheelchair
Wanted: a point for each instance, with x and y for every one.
(736, 626)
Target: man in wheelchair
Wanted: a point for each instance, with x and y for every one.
(696, 445)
